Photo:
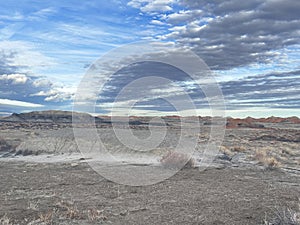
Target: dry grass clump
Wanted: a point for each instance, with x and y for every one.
(95, 215)
(46, 218)
(238, 149)
(5, 146)
(230, 151)
(226, 151)
(71, 211)
(62, 211)
(4, 220)
(177, 160)
(265, 159)
(284, 216)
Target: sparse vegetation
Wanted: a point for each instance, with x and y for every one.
(70, 192)
(33, 205)
(5, 220)
(266, 159)
(225, 150)
(71, 210)
(63, 210)
(285, 216)
(46, 217)
(61, 144)
(95, 215)
(57, 145)
(238, 149)
(5, 146)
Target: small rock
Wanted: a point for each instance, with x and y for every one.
(74, 164)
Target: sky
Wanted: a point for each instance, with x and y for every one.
(252, 48)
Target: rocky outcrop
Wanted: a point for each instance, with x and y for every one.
(244, 123)
(250, 122)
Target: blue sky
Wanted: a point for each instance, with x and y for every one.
(252, 47)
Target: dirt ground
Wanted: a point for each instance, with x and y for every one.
(45, 180)
(72, 193)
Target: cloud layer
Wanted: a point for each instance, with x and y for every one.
(274, 90)
(268, 91)
(19, 89)
(232, 33)
(252, 46)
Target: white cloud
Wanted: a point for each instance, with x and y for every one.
(157, 22)
(19, 103)
(24, 56)
(43, 13)
(9, 31)
(14, 78)
(137, 3)
(77, 35)
(17, 16)
(179, 28)
(155, 8)
(57, 94)
(183, 16)
(43, 82)
(152, 6)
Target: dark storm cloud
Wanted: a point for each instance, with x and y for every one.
(239, 33)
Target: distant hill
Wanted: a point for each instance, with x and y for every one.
(258, 123)
(50, 116)
(56, 116)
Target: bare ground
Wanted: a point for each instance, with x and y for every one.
(256, 176)
(71, 193)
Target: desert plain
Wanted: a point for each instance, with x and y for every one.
(253, 179)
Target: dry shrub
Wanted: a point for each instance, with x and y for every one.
(226, 151)
(238, 149)
(73, 213)
(46, 217)
(269, 161)
(177, 160)
(272, 162)
(95, 215)
(260, 155)
(5, 146)
(71, 210)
